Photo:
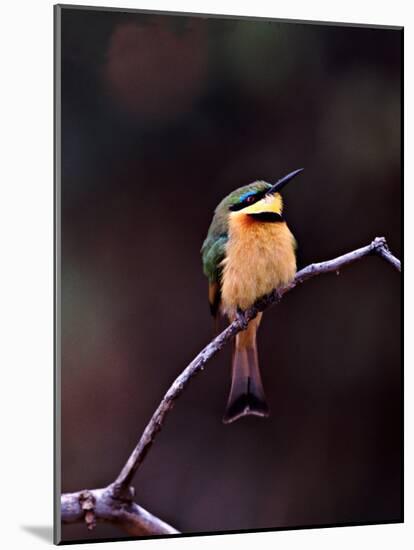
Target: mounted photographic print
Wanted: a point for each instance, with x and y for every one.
(228, 296)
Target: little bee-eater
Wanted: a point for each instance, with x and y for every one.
(249, 250)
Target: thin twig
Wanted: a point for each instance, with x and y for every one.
(120, 491)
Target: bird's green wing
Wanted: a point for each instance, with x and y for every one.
(213, 252)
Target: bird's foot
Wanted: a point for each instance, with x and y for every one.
(241, 318)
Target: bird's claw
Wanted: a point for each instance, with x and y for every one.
(241, 319)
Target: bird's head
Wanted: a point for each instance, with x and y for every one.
(260, 200)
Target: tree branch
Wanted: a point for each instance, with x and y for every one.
(102, 505)
(115, 503)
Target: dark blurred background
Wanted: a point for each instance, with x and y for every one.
(161, 117)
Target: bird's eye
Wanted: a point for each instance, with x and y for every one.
(249, 199)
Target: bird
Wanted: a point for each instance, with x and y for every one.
(249, 250)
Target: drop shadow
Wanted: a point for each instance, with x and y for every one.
(43, 532)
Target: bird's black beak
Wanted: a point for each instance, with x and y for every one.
(283, 181)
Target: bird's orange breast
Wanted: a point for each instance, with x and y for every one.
(260, 256)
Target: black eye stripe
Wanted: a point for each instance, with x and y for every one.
(251, 199)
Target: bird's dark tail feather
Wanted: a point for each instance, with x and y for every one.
(246, 392)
